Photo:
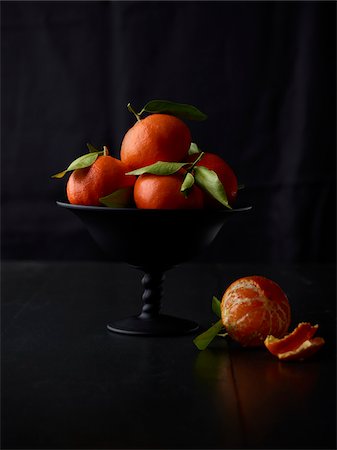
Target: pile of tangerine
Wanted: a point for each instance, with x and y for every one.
(157, 139)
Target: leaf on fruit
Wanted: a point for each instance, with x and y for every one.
(209, 181)
(159, 168)
(181, 110)
(91, 148)
(193, 149)
(216, 306)
(187, 184)
(118, 199)
(204, 339)
(80, 163)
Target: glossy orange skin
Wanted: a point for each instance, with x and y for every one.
(158, 137)
(254, 307)
(225, 174)
(103, 177)
(163, 192)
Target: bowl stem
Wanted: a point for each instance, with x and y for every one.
(150, 322)
(152, 283)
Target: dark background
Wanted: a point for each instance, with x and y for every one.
(264, 73)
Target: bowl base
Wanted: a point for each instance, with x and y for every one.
(160, 325)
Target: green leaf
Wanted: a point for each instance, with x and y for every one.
(209, 181)
(59, 174)
(91, 148)
(216, 306)
(80, 163)
(194, 149)
(180, 110)
(118, 199)
(187, 183)
(159, 168)
(204, 339)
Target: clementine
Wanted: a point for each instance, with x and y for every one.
(103, 177)
(158, 137)
(225, 175)
(297, 345)
(163, 192)
(254, 307)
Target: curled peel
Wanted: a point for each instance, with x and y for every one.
(297, 345)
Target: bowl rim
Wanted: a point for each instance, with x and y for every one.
(153, 211)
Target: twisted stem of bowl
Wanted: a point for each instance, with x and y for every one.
(152, 283)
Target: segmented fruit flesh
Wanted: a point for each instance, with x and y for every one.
(254, 307)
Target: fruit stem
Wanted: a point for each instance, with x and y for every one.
(185, 192)
(196, 161)
(133, 111)
(105, 151)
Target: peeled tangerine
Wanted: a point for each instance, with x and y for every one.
(297, 345)
(254, 307)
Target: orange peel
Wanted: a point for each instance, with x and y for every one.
(298, 345)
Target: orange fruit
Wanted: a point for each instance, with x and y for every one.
(225, 175)
(158, 137)
(254, 307)
(103, 177)
(163, 192)
(297, 345)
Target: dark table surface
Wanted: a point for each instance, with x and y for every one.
(69, 383)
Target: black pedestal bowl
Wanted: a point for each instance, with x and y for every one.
(152, 241)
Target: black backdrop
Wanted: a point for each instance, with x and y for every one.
(263, 72)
